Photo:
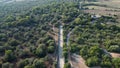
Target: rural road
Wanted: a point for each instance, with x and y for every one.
(60, 48)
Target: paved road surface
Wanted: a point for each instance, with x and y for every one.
(60, 48)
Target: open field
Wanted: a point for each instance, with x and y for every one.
(102, 12)
(104, 7)
(110, 3)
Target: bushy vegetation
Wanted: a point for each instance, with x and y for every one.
(25, 40)
(25, 37)
(91, 38)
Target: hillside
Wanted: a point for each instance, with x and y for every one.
(29, 36)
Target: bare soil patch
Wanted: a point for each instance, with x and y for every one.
(101, 12)
(78, 62)
(115, 55)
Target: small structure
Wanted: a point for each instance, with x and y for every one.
(95, 16)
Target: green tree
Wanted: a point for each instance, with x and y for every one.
(116, 62)
(51, 49)
(77, 21)
(7, 65)
(92, 61)
(67, 65)
(95, 51)
(14, 42)
(22, 63)
(74, 48)
(39, 63)
(106, 61)
(29, 66)
(9, 19)
(114, 48)
(40, 51)
(9, 56)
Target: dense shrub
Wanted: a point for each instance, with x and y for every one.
(9, 56)
(67, 65)
(40, 51)
(39, 63)
(92, 61)
(116, 62)
(7, 65)
(22, 63)
(51, 49)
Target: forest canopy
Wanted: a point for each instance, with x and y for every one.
(26, 35)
